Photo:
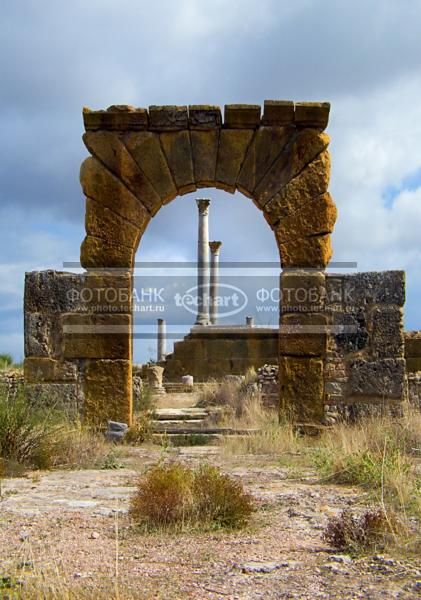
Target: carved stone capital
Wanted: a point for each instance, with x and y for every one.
(203, 205)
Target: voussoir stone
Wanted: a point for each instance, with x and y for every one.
(310, 183)
(233, 145)
(204, 145)
(303, 148)
(176, 146)
(102, 222)
(146, 150)
(267, 144)
(111, 151)
(317, 217)
(101, 185)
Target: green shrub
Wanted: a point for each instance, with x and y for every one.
(25, 432)
(172, 495)
(6, 361)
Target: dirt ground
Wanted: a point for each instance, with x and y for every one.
(69, 530)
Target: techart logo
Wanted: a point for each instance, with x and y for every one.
(229, 301)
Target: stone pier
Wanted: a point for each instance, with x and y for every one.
(215, 248)
(203, 263)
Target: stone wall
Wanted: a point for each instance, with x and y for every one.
(413, 366)
(74, 346)
(213, 352)
(11, 380)
(365, 369)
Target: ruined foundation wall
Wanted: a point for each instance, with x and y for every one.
(413, 366)
(217, 352)
(365, 369)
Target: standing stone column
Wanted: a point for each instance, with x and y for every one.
(203, 263)
(214, 280)
(162, 340)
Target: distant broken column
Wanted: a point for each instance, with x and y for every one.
(214, 281)
(203, 263)
(162, 340)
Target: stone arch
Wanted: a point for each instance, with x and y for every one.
(142, 159)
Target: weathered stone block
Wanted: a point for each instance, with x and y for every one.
(302, 290)
(108, 391)
(278, 112)
(301, 388)
(101, 185)
(102, 292)
(267, 144)
(102, 222)
(51, 292)
(218, 349)
(306, 146)
(413, 365)
(98, 253)
(39, 370)
(382, 379)
(68, 397)
(301, 190)
(351, 330)
(204, 117)
(413, 344)
(166, 118)
(312, 114)
(96, 336)
(233, 145)
(316, 218)
(243, 116)
(385, 287)
(176, 145)
(146, 150)
(306, 252)
(127, 117)
(204, 146)
(39, 334)
(386, 332)
(109, 148)
(303, 335)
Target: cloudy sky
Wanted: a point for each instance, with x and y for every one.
(58, 56)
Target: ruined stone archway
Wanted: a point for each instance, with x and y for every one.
(143, 159)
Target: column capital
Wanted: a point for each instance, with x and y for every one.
(215, 247)
(203, 205)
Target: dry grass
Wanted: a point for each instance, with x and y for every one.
(175, 496)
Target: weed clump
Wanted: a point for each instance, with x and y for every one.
(172, 495)
(358, 534)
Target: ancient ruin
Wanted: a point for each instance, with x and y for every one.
(340, 347)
